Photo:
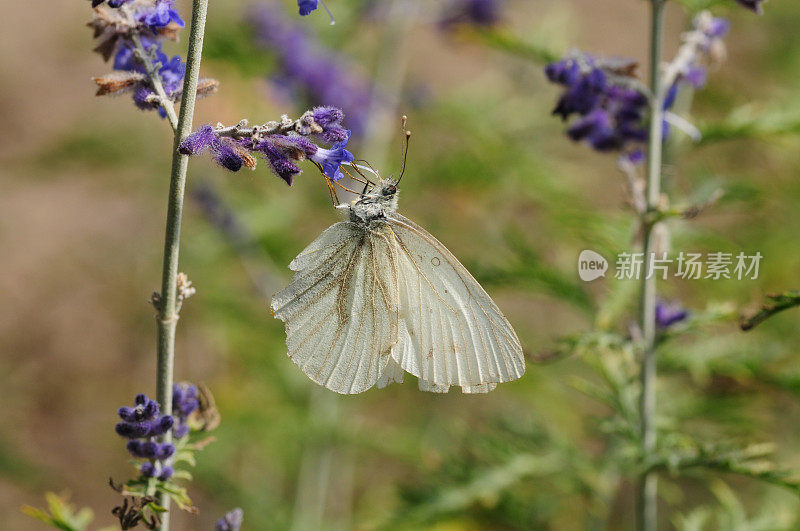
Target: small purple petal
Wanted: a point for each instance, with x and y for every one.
(198, 142)
(307, 6)
(232, 521)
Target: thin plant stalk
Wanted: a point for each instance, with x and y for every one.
(647, 488)
(167, 317)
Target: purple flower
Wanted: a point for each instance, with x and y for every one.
(695, 76)
(753, 5)
(597, 128)
(225, 153)
(611, 113)
(232, 521)
(669, 313)
(166, 473)
(564, 72)
(332, 159)
(278, 159)
(150, 449)
(184, 403)
(307, 6)
(160, 15)
(480, 13)
(197, 142)
(583, 95)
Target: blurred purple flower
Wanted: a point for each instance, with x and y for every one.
(232, 521)
(611, 112)
(753, 5)
(480, 13)
(323, 77)
(184, 403)
(669, 313)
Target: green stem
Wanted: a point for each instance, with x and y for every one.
(647, 485)
(167, 318)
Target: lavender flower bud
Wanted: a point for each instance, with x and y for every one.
(197, 142)
(325, 116)
(148, 470)
(668, 314)
(166, 473)
(226, 155)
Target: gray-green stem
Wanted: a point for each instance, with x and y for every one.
(647, 488)
(167, 317)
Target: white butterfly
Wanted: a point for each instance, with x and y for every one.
(377, 295)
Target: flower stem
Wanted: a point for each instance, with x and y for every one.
(167, 318)
(647, 489)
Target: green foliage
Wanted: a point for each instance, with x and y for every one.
(61, 514)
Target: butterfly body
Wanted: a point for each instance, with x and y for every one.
(377, 296)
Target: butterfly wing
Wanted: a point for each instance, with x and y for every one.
(341, 307)
(450, 332)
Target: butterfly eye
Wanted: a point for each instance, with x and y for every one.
(390, 190)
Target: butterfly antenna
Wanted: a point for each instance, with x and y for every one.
(406, 140)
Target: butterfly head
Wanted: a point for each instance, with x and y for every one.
(374, 204)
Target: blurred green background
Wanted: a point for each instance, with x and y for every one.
(490, 173)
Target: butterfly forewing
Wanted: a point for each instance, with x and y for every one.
(451, 332)
(341, 308)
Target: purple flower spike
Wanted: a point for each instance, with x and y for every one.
(232, 521)
(332, 159)
(307, 6)
(668, 314)
(197, 142)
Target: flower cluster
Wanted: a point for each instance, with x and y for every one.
(611, 103)
(304, 66)
(282, 144)
(143, 425)
(603, 94)
(184, 403)
(232, 521)
(478, 13)
(132, 32)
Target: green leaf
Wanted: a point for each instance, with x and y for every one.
(61, 514)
